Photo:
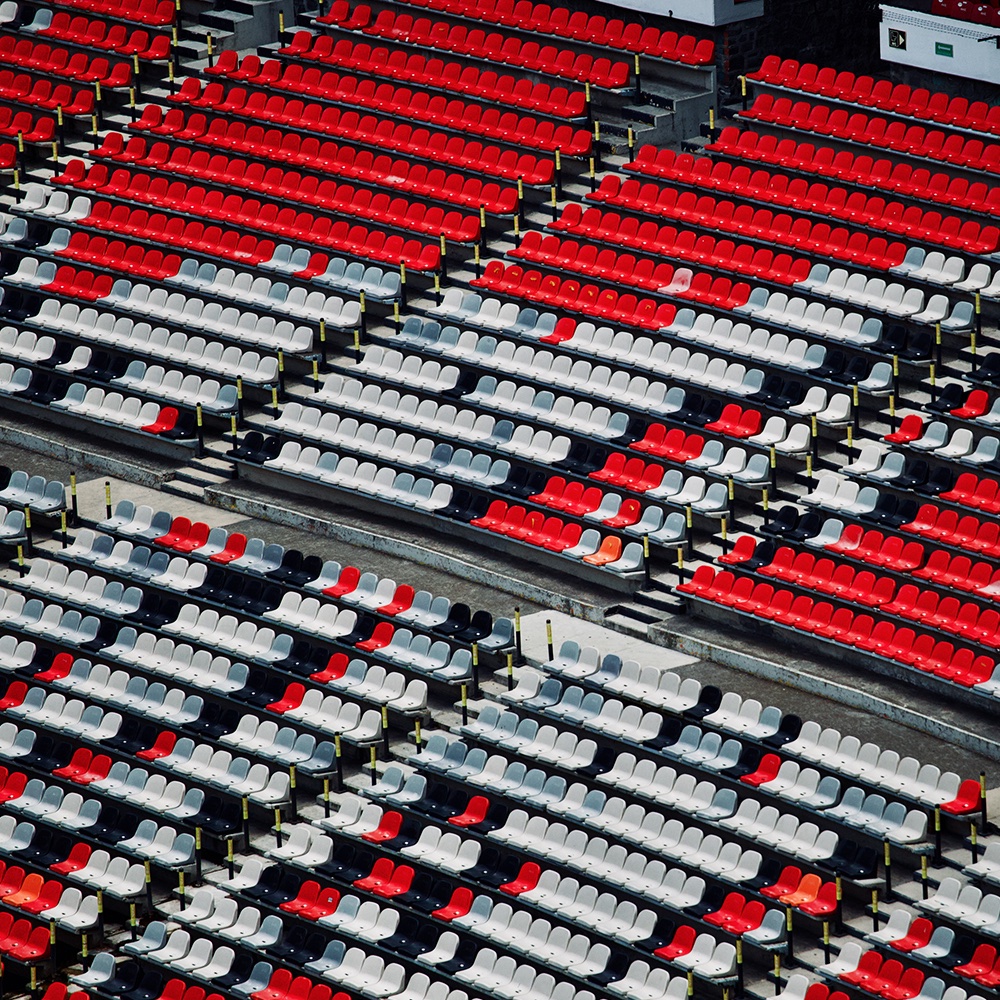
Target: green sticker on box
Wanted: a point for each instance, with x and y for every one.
(943, 49)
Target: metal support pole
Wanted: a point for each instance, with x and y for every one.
(418, 735)
(326, 798)
(199, 421)
(197, 855)
(548, 638)
(645, 559)
(790, 934)
(180, 889)
(977, 333)
(510, 671)
(385, 729)
(230, 858)
(293, 808)
(887, 858)
(465, 704)
(246, 821)
(517, 635)
(826, 941)
(107, 498)
(937, 835)
(73, 500)
(874, 909)
(982, 802)
(277, 826)
(374, 765)
(337, 756)
(974, 841)
(923, 876)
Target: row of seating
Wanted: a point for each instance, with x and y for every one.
(907, 601)
(837, 202)
(864, 171)
(948, 527)
(59, 62)
(173, 386)
(898, 98)
(807, 741)
(868, 971)
(155, 12)
(626, 269)
(495, 48)
(897, 136)
(394, 367)
(348, 473)
(24, 123)
(858, 289)
(569, 295)
(137, 339)
(843, 627)
(22, 88)
(716, 334)
(93, 404)
(485, 120)
(65, 905)
(696, 851)
(594, 29)
(936, 268)
(590, 300)
(838, 242)
(399, 174)
(344, 583)
(432, 844)
(218, 769)
(96, 34)
(780, 309)
(344, 199)
(157, 304)
(180, 231)
(22, 491)
(450, 78)
(706, 752)
(470, 156)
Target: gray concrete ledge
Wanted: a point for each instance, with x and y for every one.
(85, 453)
(758, 666)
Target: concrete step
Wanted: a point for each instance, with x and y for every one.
(187, 490)
(620, 618)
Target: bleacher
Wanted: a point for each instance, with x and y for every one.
(391, 261)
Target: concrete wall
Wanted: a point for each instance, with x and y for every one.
(711, 12)
(939, 49)
(840, 33)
